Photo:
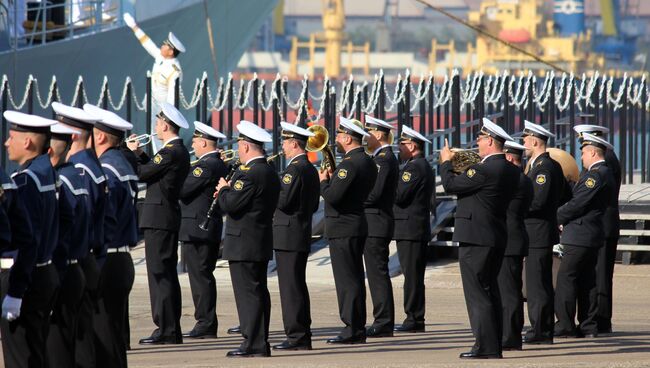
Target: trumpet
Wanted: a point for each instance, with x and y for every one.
(229, 155)
(274, 157)
(142, 139)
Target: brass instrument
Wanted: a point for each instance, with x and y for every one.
(229, 155)
(319, 143)
(463, 159)
(274, 157)
(364, 142)
(142, 139)
(568, 163)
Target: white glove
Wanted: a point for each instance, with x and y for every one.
(558, 249)
(11, 308)
(128, 19)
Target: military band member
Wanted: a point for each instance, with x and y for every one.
(165, 72)
(299, 197)
(117, 273)
(201, 247)
(83, 157)
(510, 275)
(74, 237)
(378, 209)
(160, 218)
(249, 200)
(35, 180)
(582, 236)
(413, 224)
(484, 192)
(541, 225)
(344, 192)
(17, 260)
(611, 226)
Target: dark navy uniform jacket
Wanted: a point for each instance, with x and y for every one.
(249, 204)
(611, 219)
(484, 192)
(582, 216)
(36, 182)
(196, 197)
(74, 215)
(379, 204)
(87, 161)
(122, 182)
(16, 240)
(299, 197)
(517, 209)
(413, 201)
(345, 193)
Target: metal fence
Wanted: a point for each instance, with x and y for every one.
(437, 106)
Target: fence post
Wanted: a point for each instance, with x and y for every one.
(177, 93)
(407, 100)
(231, 91)
(631, 134)
(506, 104)
(276, 117)
(382, 97)
(364, 93)
(349, 107)
(242, 102)
(455, 111)
(220, 97)
(304, 111)
(284, 101)
(263, 102)
(550, 112)
(400, 107)
(644, 131)
(572, 119)
(129, 101)
(204, 110)
(30, 98)
(623, 134)
(105, 97)
(422, 105)
(357, 107)
(256, 89)
(55, 86)
(430, 113)
(332, 127)
(531, 102)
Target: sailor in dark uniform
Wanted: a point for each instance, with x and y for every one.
(160, 217)
(611, 226)
(413, 224)
(510, 275)
(201, 247)
(378, 209)
(541, 224)
(35, 180)
(83, 157)
(117, 273)
(74, 237)
(582, 236)
(299, 197)
(249, 200)
(344, 192)
(484, 192)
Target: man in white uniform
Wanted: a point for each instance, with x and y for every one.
(165, 72)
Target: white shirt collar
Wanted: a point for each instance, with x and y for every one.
(492, 154)
(207, 153)
(170, 140)
(254, 158)
(597, 162)
(294, 157)
(379, 149)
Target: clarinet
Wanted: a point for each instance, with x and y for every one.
(213, 206)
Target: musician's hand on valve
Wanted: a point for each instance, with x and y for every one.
(325, 174)
(446, 153)
(133, 143)
(222, 183)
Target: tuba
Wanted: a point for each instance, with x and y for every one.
(319, 143)
(567, 162)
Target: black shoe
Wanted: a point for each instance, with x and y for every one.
(288, 345)
(151, 340)
(511, 348)
(589, 335)
(347, 340)
(234, 330)
(376, 332)
(411, 327)
(604, 330)
(247, 354)
(474, 355)
(200, 335)
(567, 334)
(537, 340)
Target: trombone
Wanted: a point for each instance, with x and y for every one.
(142, 139)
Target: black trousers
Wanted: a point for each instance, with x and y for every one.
(253, 303)
(604, 278)
(63, 323)
(201, 259)
(479, 269)
(294, 295)
(413, 261)
(347, 265)
(375, 255)
(161, 254)
(85, 352)
(24, 339)
(539, 292)
(115, 283)
(512, 299)
(576, 282)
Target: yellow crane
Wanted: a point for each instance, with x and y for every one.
(333, 24)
